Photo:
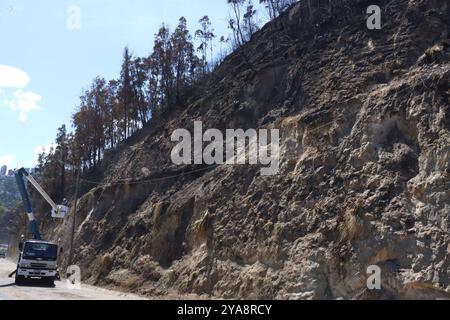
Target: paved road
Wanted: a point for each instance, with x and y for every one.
(34, 291)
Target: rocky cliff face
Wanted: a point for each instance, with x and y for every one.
(364, 179)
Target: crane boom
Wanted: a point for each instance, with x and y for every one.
(57, 211)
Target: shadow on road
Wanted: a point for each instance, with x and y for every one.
(35, 283)
(7, 285)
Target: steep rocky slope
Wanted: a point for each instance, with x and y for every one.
(364, 118)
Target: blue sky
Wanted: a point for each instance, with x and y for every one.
(44, 65)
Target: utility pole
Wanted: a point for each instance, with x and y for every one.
(72, 236)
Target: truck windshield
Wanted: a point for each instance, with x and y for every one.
(44, 251)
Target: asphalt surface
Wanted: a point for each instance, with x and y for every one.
(62, 291)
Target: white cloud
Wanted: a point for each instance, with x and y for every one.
(11, 77)
(42, 148)
(19, 100)
(7, 160)
(24, 102)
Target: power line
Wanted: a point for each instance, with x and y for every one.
(128, 181)
(133, 181)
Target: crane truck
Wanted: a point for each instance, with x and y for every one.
(37, 258)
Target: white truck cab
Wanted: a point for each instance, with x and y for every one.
(37, 260)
